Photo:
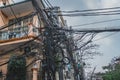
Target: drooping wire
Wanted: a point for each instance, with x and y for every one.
(46, 4)
(16, 16)
(111, 12)
(6, 52)
(88, 14)
(96, 22)
(105, 37)
(11, 50)
(2, 18)
(50, 4)
(89, 10)
(13, 11)
(26, 34)
(6, 26)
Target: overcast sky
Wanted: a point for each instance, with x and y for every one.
(109, 46)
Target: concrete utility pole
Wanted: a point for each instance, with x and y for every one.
(70, 48)
(54, 38)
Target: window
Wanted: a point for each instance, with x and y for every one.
(4, 35)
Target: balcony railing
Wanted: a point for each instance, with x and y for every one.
(14, 33)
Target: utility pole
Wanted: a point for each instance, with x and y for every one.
(91, 77)
(70, 48)
(55, 41)
(48, 61)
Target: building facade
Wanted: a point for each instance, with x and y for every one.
(20, 27)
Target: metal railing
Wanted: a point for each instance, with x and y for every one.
(16, 33)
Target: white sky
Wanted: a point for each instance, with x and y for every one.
(108, 46)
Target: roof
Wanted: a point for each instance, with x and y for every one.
(14, 4)
(18, 9)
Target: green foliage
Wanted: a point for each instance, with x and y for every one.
(117, 66)
(113, 74)
(16, 69)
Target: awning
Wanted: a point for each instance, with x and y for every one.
(18, 9)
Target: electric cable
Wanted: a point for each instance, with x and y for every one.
(51, 27)
(4, 63)
(88, 14)
(16, 16)
(90, 30)
(2, 18)
(17, 22)
(7, 52)
(50, 4)
(48, 23)
(95, 12)
(88, 10)
(12, 11)
(16, 47)
(96, 22)
(47, 4)
(28, 16)
(105, 37)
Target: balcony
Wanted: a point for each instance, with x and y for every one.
(18, 33)
(15, 33)
(12, 38)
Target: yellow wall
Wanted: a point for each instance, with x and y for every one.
(3, 19)
(20, 15)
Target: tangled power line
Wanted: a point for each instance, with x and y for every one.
(49, 39)
(90, 12)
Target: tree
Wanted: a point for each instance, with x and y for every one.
(16, 69)
(84, 49)
(113, 71)
(85, 46)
